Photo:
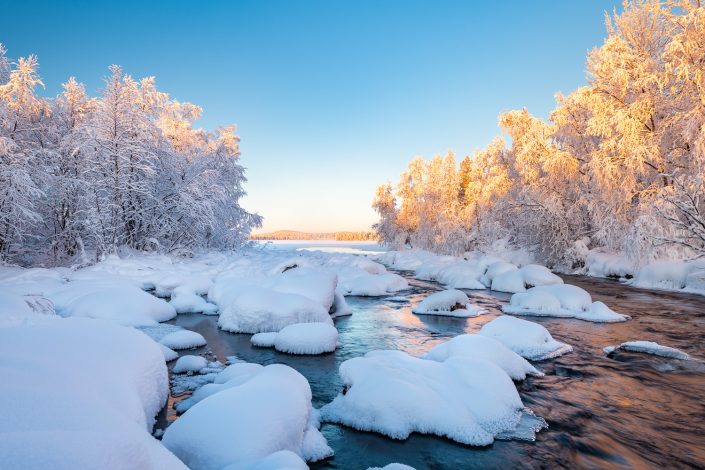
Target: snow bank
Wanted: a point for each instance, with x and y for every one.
(483, 347)
(189, 364)
(300, 338)
(355, 281)
(20, 309)
(563, 300)
(524, 278)
(183, 339)
(599, 263)
(687, 276)
(267, 410)
(467, 400)
(649, 347)
(528, 339)
(262, 309)
(452, 303)
(452, 272)
(81, 393)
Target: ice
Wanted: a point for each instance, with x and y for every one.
(183, 339)
(483, 347)
(649, 347)
(80, 393)
(261, 309)
(189, 364)
(519, 280)
(464, 399)
(340, 305)
(528, 339)
(267, 410)
(300, 338)
(562, 300)
(452, 303)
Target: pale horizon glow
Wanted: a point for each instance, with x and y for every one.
(331, 99)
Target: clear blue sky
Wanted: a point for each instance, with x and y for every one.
(331, 98)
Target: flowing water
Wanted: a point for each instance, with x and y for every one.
(628, 410)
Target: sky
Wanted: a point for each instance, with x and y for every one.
(331, 98)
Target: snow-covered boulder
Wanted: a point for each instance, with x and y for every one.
(120, 303)
(189, 363)
(649, 347)
(495, 269)
(266, 410)
(562, 300)
(300, 338)
(467, 400)
(524, 278)
(452, 303)
(483, 347)
(192, 303)
(317, 284)
(263, 309)
(528, 339)
(81, 393)
(183, 339)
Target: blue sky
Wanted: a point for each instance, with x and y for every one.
(331, 98)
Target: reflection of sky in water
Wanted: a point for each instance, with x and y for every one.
(626, 410)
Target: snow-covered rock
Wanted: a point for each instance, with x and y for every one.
(467, 400)
(183, 339)
(562, 300)
(59, 376)
(189, 364)
(262, 310)
(524, 278)
(169, 354)
(300, 338)
(649, 347)
(452, 303)
(483, 347)
(393, 466)
(192, 303)
(528, 339)
(494, 270)
(266, 410)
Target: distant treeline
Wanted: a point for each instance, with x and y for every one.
(294, 235)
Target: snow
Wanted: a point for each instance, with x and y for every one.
(81, 393)
(600, 263)
(189, 363)
(300, 338)
(280, 460)
(393, 466)
(18, 309)
(528, 339)
(686, 276)
(169, 354)
(562, 300)
(183, 339)
(494, 270)
(452, 303)
(267, 410)
(649, 347)
(192, 303)
(486, 348)
(524, 278)
(260, 309)
(464, 399)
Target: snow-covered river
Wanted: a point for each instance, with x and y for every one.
(627, 410)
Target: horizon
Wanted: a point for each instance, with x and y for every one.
(329, 100)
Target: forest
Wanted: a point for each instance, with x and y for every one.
(81, 176)
(618, 166)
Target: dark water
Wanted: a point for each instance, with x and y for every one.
(628, 410)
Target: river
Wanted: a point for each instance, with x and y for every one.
(629, 410)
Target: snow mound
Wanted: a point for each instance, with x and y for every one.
(467, 400)
(192, 303)
(494, 270)
(266, 410)
(123, 304)
(649, 347)
(300, 338)
(688, 276)
(483, 347)
(59, 376)
(281, 460)
(169, 354)
(261, 309)
(187, 364)
(358, 282)
(599, 263)
(528, 339)
(563, 300)
(316, 284)
(183, 339)
(16, 309)
(452, 303)
(524, 278)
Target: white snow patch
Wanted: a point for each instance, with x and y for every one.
(183, 339)
(300, 338)
(189, 363)
(528, 339)
(452, 303)
(650, 347)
